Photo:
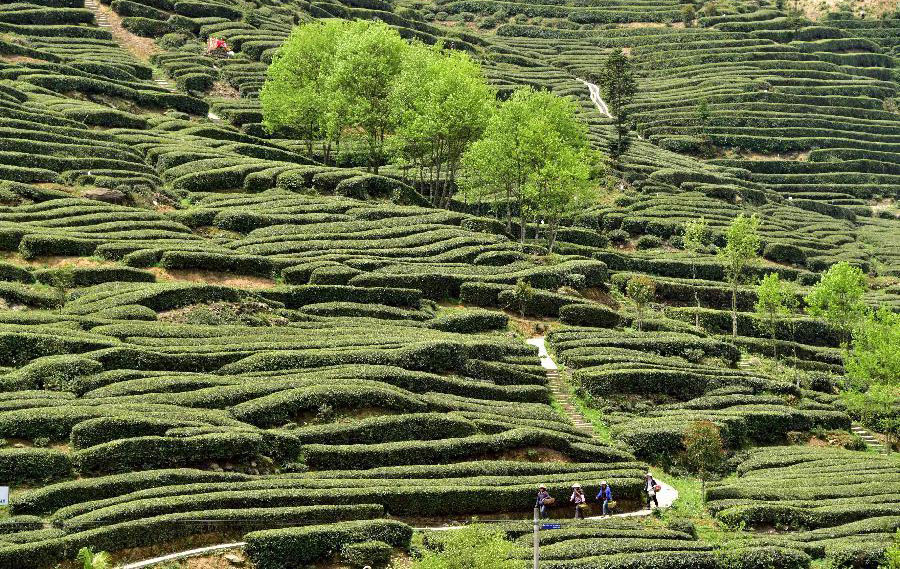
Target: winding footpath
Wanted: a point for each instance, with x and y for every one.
(595, 97)
(666, 496)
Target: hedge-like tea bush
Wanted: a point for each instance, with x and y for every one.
(595, 315)
(281, 549)
(30, 465)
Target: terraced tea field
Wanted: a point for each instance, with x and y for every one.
(213, 333)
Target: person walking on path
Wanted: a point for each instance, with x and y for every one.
(544, 500)
(579, 500)
(651, 487)
(604, 496)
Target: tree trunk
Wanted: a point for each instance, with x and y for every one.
(774, 342)
(696, 295)
(551, 237)
(734, 310)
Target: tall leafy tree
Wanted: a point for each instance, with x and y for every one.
(367, 63)
(704, 451)
(771, 306)
(838, 297)
(874, 357)
(617, 87)
(741, 248)
(697, 236)
(641, 289)
(442, 104)
(558, 190)
(528, 154)
(295, 97)
(335, 77)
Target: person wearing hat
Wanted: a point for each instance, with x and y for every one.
(651, 487)
(544, 500)
(579, 500)
(604, 496)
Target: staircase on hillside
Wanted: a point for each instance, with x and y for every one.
(562, 394)
(163, 82)
(868, 438)
(559, 388)
(99, 15)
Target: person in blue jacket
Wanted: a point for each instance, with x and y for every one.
(604, 496)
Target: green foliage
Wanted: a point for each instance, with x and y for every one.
(697, 237)
(771, 305)
(878, 408)
(283, 548)
(741, 248)
(874, 357)
(641, 289)
(333, 76)
(522, 295)
(442, 104)
(688, 15)
(704, 451)
(838, 297)
(474, 547)
(535, 153)
(376, 554)
(91, 560)
(618, 86)
(893, 553)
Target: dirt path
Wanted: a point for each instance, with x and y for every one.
(595, 97)
(141, 48)
(183, 555)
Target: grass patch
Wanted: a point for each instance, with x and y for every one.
(690, 506)
(592, 414)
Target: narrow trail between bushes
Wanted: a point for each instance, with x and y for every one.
(595, 97)
(183, 555)
(562, 393)
(559, 388)
(666, 496)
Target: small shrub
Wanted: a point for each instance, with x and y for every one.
(649, 242)
(618, 237)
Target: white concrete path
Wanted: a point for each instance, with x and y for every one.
(595, 97)
(183, 555)
(546, 361)
(666, 496)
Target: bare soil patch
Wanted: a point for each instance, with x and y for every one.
(530, 454)
(817, 9)
(54, 262)
(793, 156)
(210, 277)
(141, 48)
(193, 542)
(652, 25)
(224, 90)
(20, 59)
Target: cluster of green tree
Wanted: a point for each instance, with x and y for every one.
(871, 337)
(336, 78)
(432, 110)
